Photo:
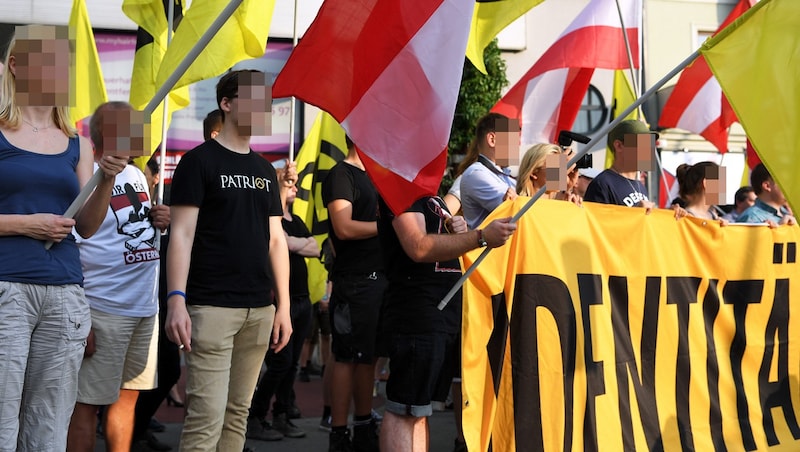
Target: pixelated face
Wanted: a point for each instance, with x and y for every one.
(254, 105)
(556, 172)
(125, 133)
(506, 143)
(42, 72)
(637, 153)
(715, 184)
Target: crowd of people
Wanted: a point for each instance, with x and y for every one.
(96, 322)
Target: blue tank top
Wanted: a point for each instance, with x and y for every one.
(37, 183)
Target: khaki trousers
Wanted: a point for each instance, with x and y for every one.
(228, 347)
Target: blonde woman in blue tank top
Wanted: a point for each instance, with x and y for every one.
(44, 317)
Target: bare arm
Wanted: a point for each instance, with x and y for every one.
(423, 247)
(304, 246)
(279, 259)
(340, 212)
(184, 222)
(91, 215)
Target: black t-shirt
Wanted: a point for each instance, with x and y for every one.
(298, 271)
(236, 194)
(416, 288)
(610, 187)
(352, 184)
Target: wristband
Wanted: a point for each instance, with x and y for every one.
(176, 292)
(481, 241)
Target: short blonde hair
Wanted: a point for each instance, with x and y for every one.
(533, 159)
(9, 110)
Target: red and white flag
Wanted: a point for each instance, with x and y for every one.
(697, 103)
(389, 71)
(548, 97)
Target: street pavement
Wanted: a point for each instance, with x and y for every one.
(309, 400)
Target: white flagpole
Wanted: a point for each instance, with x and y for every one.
(292, 101)
(158, 97)
(628, 52)
(599, 136)
(162, 155)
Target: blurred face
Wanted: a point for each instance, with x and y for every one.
(41, 69)
(252, 106)
(715, 185)
(506, 143)
(776, 193)
(749, 201)
(634, 153)
(124, 133)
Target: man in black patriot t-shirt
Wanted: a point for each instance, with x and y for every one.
(226, 234)
(422, 266)
(358, 284)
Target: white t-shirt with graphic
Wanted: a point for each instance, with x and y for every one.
(120, 262)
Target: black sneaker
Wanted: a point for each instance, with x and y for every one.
(155, 426)
(340, 442)
(287, 428)
(366, 437)
(258, 428)
(303, 375)
(156, 444)
(293, 412)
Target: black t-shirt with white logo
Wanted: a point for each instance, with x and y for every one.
(347, 182)
(416, 288)
(236, 194)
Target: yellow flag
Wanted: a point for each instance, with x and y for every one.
(323, 148)
(623, 98)
(151, 44)
(89, 87)
(242, 37)
(489, 18)
(756, 60)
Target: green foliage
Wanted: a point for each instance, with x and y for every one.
(478, 93)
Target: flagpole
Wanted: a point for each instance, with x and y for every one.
(599, 136)
(162, 155)
(187, 61)
(628, 52)
(292, 101)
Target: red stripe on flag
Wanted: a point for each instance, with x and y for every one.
(336, 45)
(397, 191)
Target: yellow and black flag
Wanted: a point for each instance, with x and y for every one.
(324, 147)
(151, 45)
(90, 88)
(489, 18)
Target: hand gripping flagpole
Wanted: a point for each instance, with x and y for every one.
(599, 136)
(183, 66)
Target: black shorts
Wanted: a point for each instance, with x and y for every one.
(415, 362)
(451, 367)
(355, 310)
(320, 323)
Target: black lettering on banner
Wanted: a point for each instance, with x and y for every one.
(551, 293)
(791, 252)
(777, 253)
(591, 292)
(710, 312)
(681, 292)
(626, 361)
(777, 393)
(740, 294)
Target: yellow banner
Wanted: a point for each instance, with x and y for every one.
(604, 328)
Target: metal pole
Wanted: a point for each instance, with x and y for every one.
(162, 155)
(292, 101)
(628, 49)
(599, 136)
